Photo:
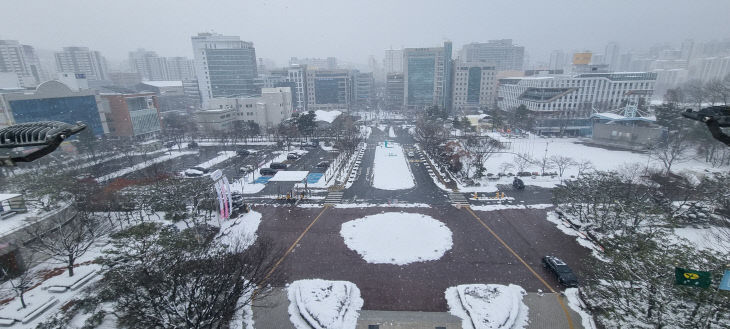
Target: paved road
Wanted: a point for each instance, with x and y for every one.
(476, 257)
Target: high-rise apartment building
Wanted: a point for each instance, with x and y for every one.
(225, 66)
(23, 61)
(81, 60)
(474, 86)
(393, 61)
(612, 56)
(427, 77)
(154, 68)
(502, 54)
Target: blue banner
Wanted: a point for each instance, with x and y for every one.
(725, 283)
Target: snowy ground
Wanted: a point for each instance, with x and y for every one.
(391, 170)
(488, 306)
(534, 147)
(576, 305)
(239, 233)
(712, 238)
(322, 304)
(139, 166)
(391, 132)
(397, 238)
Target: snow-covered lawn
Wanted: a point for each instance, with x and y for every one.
(711, 238)
(488, 306)
(397, 238)
(327, 116)
(139, 166)
(600, 159)
(239, 233)
(391, 171)
(322, 304)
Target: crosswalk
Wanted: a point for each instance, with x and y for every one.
(458, 200)
(333, 197)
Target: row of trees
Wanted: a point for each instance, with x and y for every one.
(633, 217)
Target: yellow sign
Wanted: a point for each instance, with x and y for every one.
(582, 58)
(691, 276)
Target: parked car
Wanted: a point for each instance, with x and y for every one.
(267, 172)
(192, 145)
(278, 165)
(323, 164)
(169, 144)
(561, 270)
(411, 154)
(243, 153)
(292, 156)
(524, 173)
(246, 169)
(196, 172)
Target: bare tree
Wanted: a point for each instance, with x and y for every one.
(21, 280)
(671, 150)
(65, 239)
(562, 163)
(522, 161)
(584, 166)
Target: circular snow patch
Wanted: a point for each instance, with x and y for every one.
(397, 238)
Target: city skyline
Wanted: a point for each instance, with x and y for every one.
(647, 23)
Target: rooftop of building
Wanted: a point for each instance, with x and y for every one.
(163, 84)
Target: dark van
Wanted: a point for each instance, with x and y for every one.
(278, 165)
(267, 172)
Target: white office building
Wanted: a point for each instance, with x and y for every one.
(503, 54)
(393, 61)
(474, 86)
(23, 61)
(225, 66)
(268, 110)
(81, 60)
(564, 103)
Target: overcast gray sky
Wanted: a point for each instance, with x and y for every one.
(353, 30)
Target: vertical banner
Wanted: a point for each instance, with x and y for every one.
(228, 195)
(223, 191)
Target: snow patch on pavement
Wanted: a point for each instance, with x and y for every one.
(493, 207)
(397, 238)
(391, 132)
(323, 304)
(391, 171)
(124, 171)
(239, 233)
(576, 305)
(488, 306)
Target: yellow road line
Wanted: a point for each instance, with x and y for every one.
(494, 234)
(288, 251)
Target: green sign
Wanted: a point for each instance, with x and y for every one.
(687, 277)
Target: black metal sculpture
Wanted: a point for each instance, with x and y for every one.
(43, 137)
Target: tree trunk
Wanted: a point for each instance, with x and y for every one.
(70, 265)
(22, 299)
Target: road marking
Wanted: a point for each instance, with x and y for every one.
(293, 245)
(494, 234)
